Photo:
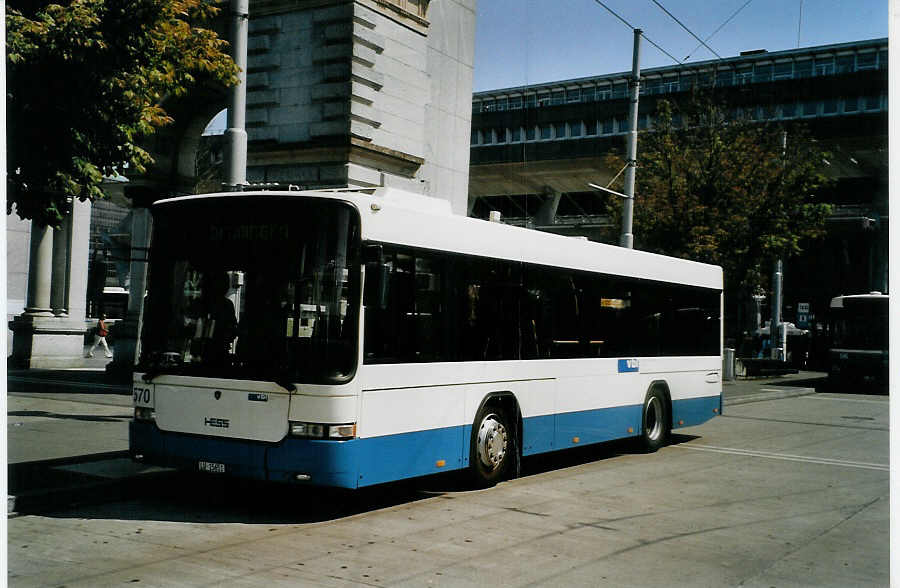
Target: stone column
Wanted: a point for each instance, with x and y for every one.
(39, 271)
(60, 268)
(126, 333)
(49, 334)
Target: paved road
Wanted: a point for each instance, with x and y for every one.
(791, 491)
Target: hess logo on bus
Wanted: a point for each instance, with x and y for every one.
(216, 422)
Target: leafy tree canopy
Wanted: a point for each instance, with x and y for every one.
(729, 192)
(86, 80)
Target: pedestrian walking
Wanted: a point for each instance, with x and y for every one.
(100, 337)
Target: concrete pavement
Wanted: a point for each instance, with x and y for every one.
(68, 432)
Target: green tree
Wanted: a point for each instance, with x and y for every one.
(727, 191)
(86, 82)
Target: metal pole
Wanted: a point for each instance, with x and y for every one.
(775, 326)
(627, 239)
(235, 134)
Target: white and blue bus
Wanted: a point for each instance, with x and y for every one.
(858, 354)
(346, 339)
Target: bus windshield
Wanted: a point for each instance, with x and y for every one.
(253, 288)
(861, 324)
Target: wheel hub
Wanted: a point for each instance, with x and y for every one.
(492, 442)
(652, 420)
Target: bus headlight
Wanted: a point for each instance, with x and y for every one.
(142, 413)
(322, 431)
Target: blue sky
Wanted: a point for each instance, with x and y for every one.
(519, 42)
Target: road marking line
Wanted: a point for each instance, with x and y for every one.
(786, 389)
(882, 402)
(788, 457)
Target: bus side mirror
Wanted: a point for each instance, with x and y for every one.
(378, 275)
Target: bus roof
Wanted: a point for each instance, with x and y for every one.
(838, 301)
(394, 216)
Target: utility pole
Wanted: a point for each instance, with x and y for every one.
(627, 238)
(236, 133)
(777, 331)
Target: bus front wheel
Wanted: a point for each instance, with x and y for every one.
(655, 425)
(493, 444)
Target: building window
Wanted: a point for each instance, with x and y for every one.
(573, 95)
(830, 106)
(670, 85)
(543, 99)
(762, 73)
(487, 106)
(643, 122)
(476, 107)
(803, 68)
(724, 78)
(609, 126)
(558, 97)
(530, 100)
(844, 64)
(744, 75)
(501, 135)
(824, 66)
(866, 61)
(603, 92)
(872, 102)
(575, 129)
(515, 103)
(851, 104)
(810, 108)
(546, 132)
(788, 110)
(783, 71)
(559, 130)
(515, 135)
(474, 139)
(883, 59)
(530, 133)
(501, 104)
(651, 87)
(767, 112)
(686, 82)
(705, 79)
(620, 90)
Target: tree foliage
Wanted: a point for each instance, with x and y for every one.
(727, 192)
(86, 81)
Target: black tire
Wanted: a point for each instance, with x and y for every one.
(656, 423)
(493, 446)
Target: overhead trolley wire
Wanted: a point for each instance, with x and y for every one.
(627, 24)
(720, 27)
(690, 32)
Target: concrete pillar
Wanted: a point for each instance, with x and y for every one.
(50, 333)
(60, 268)
(79, 247)
(126, 333)
(39, 271)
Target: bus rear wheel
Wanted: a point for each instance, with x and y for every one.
(655, 424)
(492, 446)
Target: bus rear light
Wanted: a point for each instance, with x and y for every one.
(322, 431)
(142, 413)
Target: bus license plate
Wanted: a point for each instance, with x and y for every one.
(211, 467)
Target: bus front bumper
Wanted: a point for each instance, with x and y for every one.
(292, 460)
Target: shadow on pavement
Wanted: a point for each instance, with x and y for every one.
(199, 498)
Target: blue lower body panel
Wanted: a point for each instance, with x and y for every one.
(695, 411)
(364, 462)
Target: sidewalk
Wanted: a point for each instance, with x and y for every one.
(68, 433)
(67, 438)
